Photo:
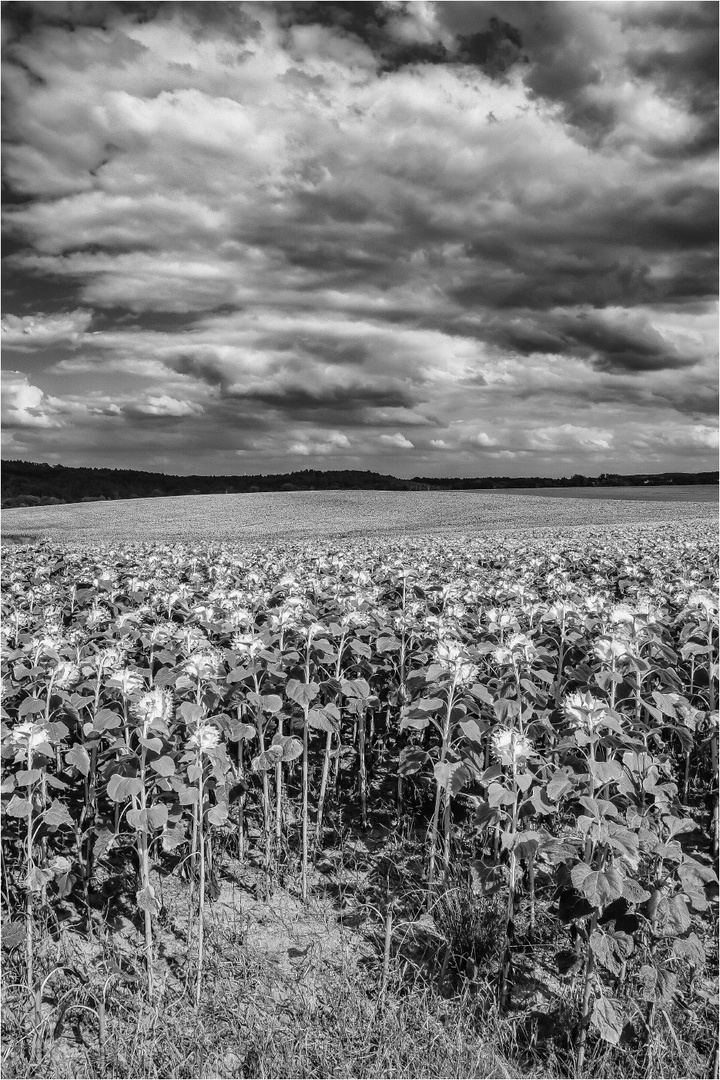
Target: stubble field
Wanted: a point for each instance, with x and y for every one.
(331, 784)
(324, 514)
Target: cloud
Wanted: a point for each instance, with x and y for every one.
(625, 341)
(616, 72)
(569, 436)
(389, 417)
(481, 439)
(614, 339)
(25, 405)
(397, 440)
(329, 443)
(278, 223)
(686, 440)
(26, 332)
(164, 406)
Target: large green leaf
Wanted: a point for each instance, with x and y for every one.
(499, 795)
(607, 1020)
(188, 795)
(239, 731)
(604, 952)
(163, 766)
(624, 843)
(479, 691)
(172, 838)
(13, 934)
(157, 816)
(31, 706)
(471, 730)
(191, 713)
(218, 814)
(696, 877)
(605, 772)
(56, 815)
(558, 785)
(27, 777)
(105, 720)
(356, 688)
(691, 949)
(673, 917)
(301, 692)
(121, 787)
(634, 892)
(138, 820)
(320, 721)
(412, 759)
(291, 747)
(18, 807)
(146, 900)
(79, 757)
(415, 723)
(451, 775)
(268, 759)
(600, 887)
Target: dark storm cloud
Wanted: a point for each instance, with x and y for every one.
(202, 365)
(21, 18)
(321, 382)
(494, 48)
(685, 66)
(682, 395)
(300, 401)
(611, 342)
(631, 345)
(572, 56)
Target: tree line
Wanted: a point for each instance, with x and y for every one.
(31, 483)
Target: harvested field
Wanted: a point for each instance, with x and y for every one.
(304, 515)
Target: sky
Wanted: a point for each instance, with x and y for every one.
(426, 239)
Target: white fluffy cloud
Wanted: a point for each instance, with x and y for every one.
(331, 442)
(482, 439)
(27, 332)
(164, 405)
(25, 405)
(569, 436)
(397, 440)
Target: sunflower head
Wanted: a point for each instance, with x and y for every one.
(205, 737)
(66, 675)
(611, 649)
(452, 655)
(204, 663)
(29, 735)
(127, 681)
(155, 707)
(510, 747)
(585, 710)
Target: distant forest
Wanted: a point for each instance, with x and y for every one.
(29, 483)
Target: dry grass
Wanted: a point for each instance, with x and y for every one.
(290, 992)
(297, 991)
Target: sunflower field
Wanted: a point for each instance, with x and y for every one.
(526, 725)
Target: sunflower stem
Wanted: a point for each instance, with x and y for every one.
(201, 886)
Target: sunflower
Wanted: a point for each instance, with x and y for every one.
(585, 710)
(204, 738)
(154, 707)
(65, 675)
(510, 747)
(29, 735)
